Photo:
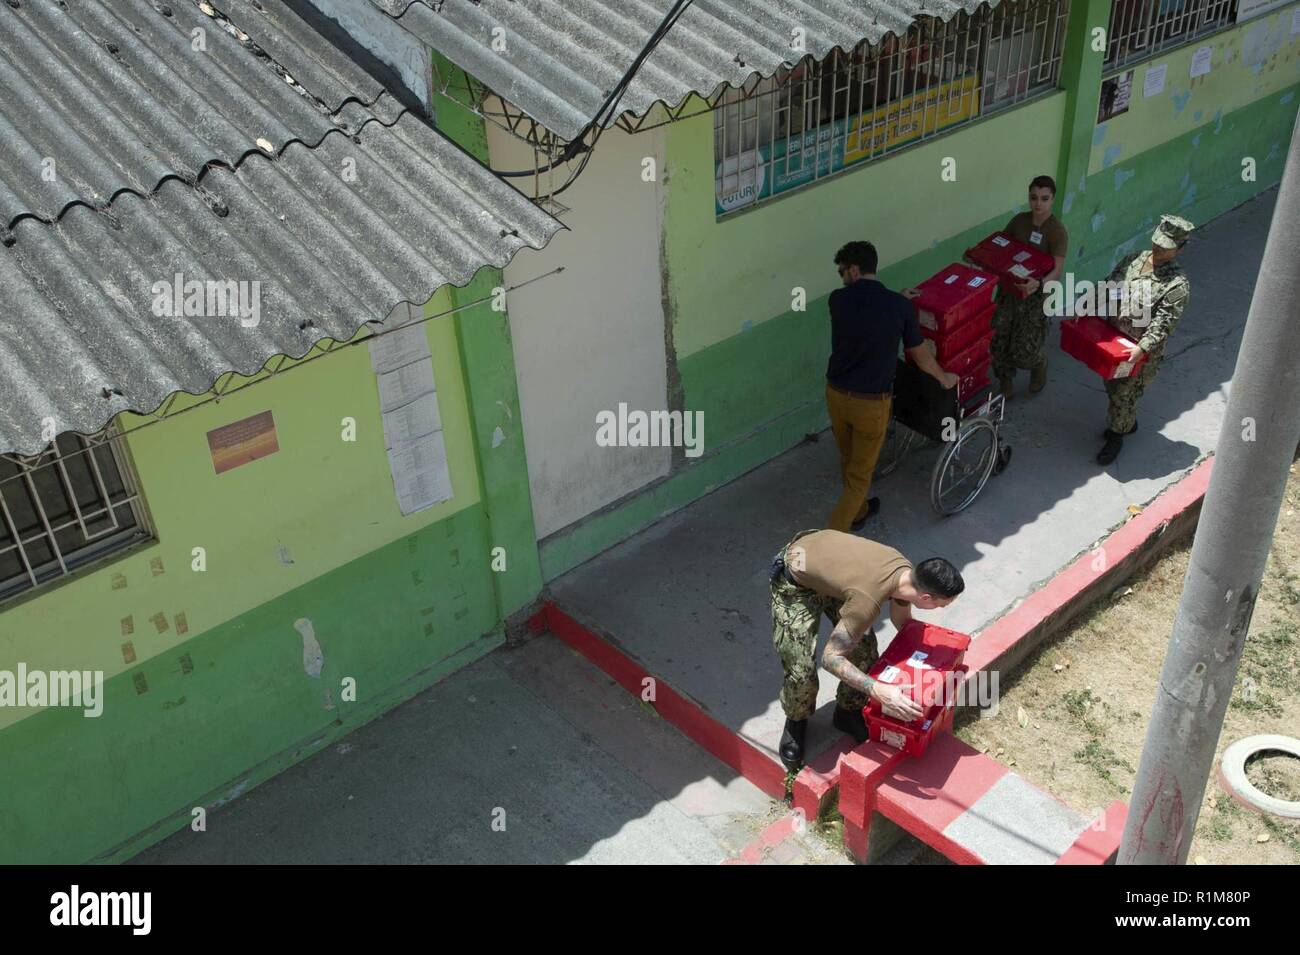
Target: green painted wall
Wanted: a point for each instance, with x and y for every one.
(312, 532)
(756, 368)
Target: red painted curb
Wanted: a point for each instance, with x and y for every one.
(769, 838)
(1099, 846)
(993, 641)
(687, 715)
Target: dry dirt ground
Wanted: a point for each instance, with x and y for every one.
(1073, 719)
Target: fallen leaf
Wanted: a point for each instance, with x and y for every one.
(1214, 802)
(1135, 509)
(1011, 762)
(1058, 667)
(1262, 837)
(1022, 717)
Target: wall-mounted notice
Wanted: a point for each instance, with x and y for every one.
(408, 404)
(1249, 9)
(1201, 61)
(1153, 83)
(242, 441)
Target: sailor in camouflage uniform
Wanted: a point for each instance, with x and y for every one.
(1164, 304)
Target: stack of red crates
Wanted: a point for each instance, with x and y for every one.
(955, 308)
(1014, 261)
(931, 659)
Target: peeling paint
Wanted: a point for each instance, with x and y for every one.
(1099, 134)
(1097, 219)
(1196, 140)
(1188, 198)
(1122, 176)
(1180, 101)
(283, 556)
(313, 660)
(498, 437)
(747, 324)
(1111, 154)
(1065, 206)
(1288, 97)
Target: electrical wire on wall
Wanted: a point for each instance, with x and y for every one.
(608, 109)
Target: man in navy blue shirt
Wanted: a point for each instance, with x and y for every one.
(867, 323)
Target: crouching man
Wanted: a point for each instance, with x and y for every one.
(849, 579)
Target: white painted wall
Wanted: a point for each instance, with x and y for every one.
(376, 32)
(592, 336)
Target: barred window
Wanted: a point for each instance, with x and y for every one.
(1142, 28)
(819, 117)
(62, 509)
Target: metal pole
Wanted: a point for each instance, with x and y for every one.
(1256, 443)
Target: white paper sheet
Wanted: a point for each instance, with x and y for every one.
(1201, 61)
(421, 476)
(1153, 83)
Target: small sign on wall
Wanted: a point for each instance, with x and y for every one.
(242, 441)
(1115, 94)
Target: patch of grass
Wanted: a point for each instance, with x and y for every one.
(829, 824)
(789, 786)
(1102, 759)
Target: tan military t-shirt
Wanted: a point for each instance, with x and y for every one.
(853, 569)
(1050, 237)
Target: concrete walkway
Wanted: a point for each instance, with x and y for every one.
(535, 735)
(688, 598)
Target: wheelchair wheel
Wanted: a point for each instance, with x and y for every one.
(964, 467)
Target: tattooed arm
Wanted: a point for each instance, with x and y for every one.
(896, 701)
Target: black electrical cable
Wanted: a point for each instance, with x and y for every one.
(607, 107)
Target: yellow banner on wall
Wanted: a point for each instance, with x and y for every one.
(911, 118)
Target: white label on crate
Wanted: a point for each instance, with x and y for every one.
(1019, 271)
(888, 674)
(926, 724)
(919, 655)
(999, 240)
(1020, 256)
(917, 661)
(952, 278)
(1036, 238)
(976, 282)
(896, 740)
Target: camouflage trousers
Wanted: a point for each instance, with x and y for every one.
(1123, 395)
(796, 616)
(1019, 330)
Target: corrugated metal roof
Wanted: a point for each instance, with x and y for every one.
(159, 173)
(79, 337)
(116, 97)
(562, 57)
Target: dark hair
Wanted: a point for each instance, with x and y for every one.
(939, 577)
(1043, 182)
(861, 254)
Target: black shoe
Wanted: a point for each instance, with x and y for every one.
(1106, 433)
(873, 508)
(1110, 450)
(791, 750)
(851, 722)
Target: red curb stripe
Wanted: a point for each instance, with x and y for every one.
(1098, 847)
(745, 758)
(1008, 630)
(769, 838)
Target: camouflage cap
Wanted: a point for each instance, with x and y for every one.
(1171, 232)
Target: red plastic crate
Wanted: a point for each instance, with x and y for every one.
(954, 342)
(974, 380)
(930, 658)
(1099, 345)
(952, 295)
(970, 358)
(1013, 261)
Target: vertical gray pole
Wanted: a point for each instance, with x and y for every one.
(1256, 445)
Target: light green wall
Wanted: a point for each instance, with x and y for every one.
(1250, 62)
(323, 500)
(729, 274)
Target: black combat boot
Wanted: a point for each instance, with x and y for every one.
(1110, 450)
(792, 743)
(851, 722)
